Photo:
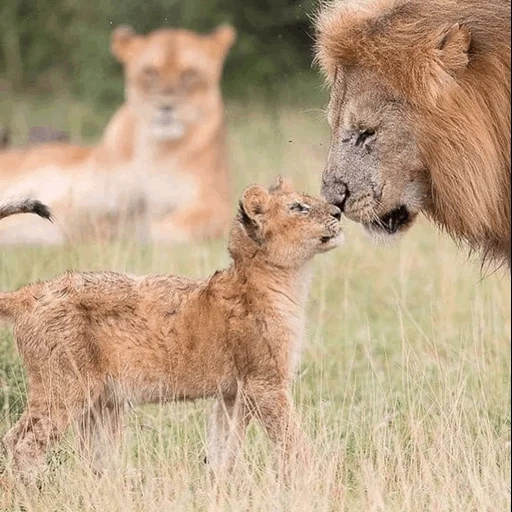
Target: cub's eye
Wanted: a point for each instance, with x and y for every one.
(364, 136)
(300, 208)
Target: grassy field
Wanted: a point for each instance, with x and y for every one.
(404, 385)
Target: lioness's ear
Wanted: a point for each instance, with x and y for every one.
(122, 40)
(224, 37)
(283, 185)
(253, 205)
(454, 49)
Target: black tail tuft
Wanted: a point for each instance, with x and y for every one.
(42, 210)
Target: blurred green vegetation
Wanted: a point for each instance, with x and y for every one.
(52, 46)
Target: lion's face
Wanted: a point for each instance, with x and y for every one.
(288, 227)
(173, 77)
(374, 171)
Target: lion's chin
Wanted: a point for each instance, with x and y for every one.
(391, 226)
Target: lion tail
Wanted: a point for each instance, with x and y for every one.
(25, 206)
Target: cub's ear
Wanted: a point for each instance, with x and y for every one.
(253, 206)
(454, 49)
(283, 185)
(223, 37)
(121, 46)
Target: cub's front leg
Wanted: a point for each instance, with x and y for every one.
(228, 424)
(275, 410)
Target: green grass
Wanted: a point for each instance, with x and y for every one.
(404, 383)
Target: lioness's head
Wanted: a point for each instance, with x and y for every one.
(285, 227)
(173, 76)
(394, 68)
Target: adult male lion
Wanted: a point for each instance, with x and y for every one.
(420, 116)
(160, 169)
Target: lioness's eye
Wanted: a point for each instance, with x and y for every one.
(190, 77)
(300, 208)
(149, 72)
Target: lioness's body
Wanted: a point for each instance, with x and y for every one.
(160, 171)
(89, 341)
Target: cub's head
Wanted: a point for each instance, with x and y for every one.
(284, 227)
(172, 77)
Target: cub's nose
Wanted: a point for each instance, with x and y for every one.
(335, 212)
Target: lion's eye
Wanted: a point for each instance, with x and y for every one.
(364, 136)
(300, 208)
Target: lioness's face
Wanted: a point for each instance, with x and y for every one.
(374, 171)
(290, 227)
(173, 77)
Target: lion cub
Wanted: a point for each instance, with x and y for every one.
(91, 340)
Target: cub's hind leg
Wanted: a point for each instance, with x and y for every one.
(100, 429)
(43, 423)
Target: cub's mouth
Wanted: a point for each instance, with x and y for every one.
(331, 241)
(391, 223)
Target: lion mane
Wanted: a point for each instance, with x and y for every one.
(460, 94)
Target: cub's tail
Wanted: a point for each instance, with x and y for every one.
(13, 304)
(25, 206)
(10, 304)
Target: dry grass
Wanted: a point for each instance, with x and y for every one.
(404, 384)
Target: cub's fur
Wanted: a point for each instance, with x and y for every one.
(91, 340)
(160, 172)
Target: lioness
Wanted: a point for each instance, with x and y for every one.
(90, 340)
(161, 167)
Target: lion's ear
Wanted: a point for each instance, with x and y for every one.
(454, 49)
(223, 37)
(122, 42)
(253, 206)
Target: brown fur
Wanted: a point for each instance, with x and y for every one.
(160, 172)
(91, 340)
(446, 65)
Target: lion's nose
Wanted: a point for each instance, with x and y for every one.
(336, 192)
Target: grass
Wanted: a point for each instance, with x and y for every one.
(404, 385)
